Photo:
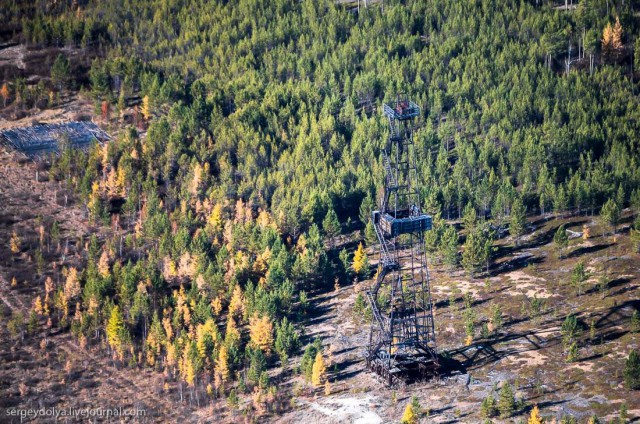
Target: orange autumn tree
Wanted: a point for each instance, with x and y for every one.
(4, 92)
(612, 39)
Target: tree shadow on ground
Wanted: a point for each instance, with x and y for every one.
(483, 353)
(614, 317)
(515, 264)
(588, 249)
(612, 284)
(343, 376)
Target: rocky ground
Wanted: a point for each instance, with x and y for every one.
(527, 352)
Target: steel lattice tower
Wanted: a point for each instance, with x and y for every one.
(402, 342)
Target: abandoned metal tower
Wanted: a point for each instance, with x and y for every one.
(402, 344)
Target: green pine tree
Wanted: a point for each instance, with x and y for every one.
(561, 240)
(610, 215)
(631, 372)
(331, 225)
(449, 247)
(506, 401)
(518, 220)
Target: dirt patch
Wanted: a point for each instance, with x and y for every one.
(527, 284)
(356, 410)
(530, 358)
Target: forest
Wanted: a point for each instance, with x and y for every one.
(246, 160)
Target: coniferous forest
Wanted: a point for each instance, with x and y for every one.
(203, 243)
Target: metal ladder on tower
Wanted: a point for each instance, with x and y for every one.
(391, 179)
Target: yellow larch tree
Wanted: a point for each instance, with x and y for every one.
(115, 330)
(37, 305)
(264, 219)
(535, 418)
(196, 182)
(15, 243)
(360, 260)
(103, 264)
(607, 38)
(206, 338)
(612, 38)
(240, 214)
(318, 371)
(409, 416)
(236, 305)
(188, 368)
(216, 306)
(616, 33)
(72, 284)
(261, 332)
(231, 334)
(214, 222)
(222, 363)
(146, 110)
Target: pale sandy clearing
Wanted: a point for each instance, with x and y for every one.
(530, 357)
(347, 410)
(524, 283)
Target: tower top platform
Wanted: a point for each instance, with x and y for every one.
(402, 109)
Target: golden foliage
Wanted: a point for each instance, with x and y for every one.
(72, 284)
(204, 332)
(612, 38)
(327, 388)
(319, 370)
(48, 285)
(216, 306)
(264, 220)
(535, 418)
(115, 328)
(15, 243)
(240, 212)
(214, 222)
(166, 324)
(258, 400)
(37, 305)
(171, 355)
(222, 364)
(188, 265)
(231, 333)
(169, 270)
(196, 182)
(146, 108)
(237, 304)
(114, 185)
(261, 263)
(261, 332)
(103, 264)
(360, 261)
(409, 415)
(616, 41)
(187, 368)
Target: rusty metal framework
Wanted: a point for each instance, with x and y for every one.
(42, 140)
(402, 344)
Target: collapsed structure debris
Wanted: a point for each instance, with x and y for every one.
(39, 141)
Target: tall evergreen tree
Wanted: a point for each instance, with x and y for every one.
(518, 220)
(331, 225)
(610, 215)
